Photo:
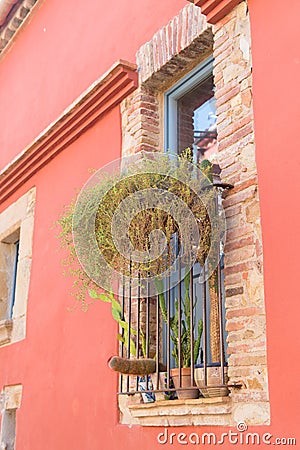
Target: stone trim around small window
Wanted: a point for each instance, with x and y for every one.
(10, 402)
(175, 50)
(11, 397)
(17, 219)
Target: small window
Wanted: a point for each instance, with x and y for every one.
(8, 429)
(9, 248)
(11, 397)
(16, 236)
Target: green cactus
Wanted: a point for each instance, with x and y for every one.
(185, 326)
(116, 311)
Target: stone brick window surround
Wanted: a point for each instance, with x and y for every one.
(10, 402)
(175, 50)
(16, 224)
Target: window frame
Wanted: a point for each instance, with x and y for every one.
(9, 267)
(172, 95)
(12, 299)
(16, 224)
(182, 87)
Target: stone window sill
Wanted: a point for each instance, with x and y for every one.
(202, 411)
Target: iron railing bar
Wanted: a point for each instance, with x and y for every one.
(179, 323)
(157, 341)
(168, 332)
(129, 319)
(147, 324)
(222, 354)
(221, 333)
(204, 334)
(192, 325)
(138, 323)
(147, 317)
(122, 332)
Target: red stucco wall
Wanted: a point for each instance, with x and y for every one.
(276, 78)
(66, 47)
(69, 395)
(61, 364)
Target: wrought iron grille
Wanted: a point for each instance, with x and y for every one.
(182, 327)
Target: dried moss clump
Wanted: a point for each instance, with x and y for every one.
(177, 177)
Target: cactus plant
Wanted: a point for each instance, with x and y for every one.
(185, 341)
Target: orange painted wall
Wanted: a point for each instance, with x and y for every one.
(276, 79)
(66, 47)
(69, 398)
(61, 364)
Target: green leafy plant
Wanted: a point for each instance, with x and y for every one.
(124, 329)
(185, 326)
(113, 189)
(175, 178)
(117, 314)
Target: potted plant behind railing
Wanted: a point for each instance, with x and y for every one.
(209, 378)
(181, 337)
(116, 190)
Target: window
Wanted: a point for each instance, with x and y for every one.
(190, 113)
(183, 329)
(8, 429)
(16, 234)
(190, 122)
(10, 255)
